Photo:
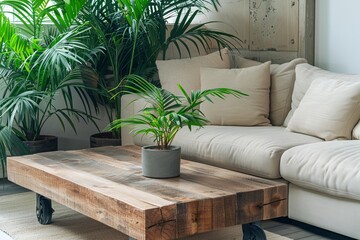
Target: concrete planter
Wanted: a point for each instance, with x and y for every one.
(160, 163)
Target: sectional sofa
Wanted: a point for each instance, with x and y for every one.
(299, 123)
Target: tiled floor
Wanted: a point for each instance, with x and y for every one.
(283, 226)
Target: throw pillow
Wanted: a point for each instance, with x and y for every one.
(356, 131)
(282, 84)
(246, 111)
(186, 72)
(282, 78)
(329, 109)
(305, 75)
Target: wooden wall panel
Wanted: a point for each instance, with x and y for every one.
(307, 30)
(234, 17)
(274, 25)
(276, 30)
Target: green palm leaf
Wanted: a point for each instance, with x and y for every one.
(10, 144)
(64, 13)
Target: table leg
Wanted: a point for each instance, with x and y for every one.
(253, 231)
(44, 209)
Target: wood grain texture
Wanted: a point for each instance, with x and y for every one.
(307, 30)
(274, 25)
(232, 17)
(107, 185)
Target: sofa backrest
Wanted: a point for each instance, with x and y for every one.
(306, 74)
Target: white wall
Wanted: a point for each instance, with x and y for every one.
(337, 35)
(68, 139)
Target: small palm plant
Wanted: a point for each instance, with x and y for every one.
(165, 113)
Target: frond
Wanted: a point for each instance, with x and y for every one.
(10, 143)
(64, 13)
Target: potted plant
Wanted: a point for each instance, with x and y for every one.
(135, 34)
(41, 66)
(163, 116)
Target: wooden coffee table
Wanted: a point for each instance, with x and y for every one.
(107, 185)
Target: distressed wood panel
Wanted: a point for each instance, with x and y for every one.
(274, 25)
(307, 30)
(233, 16)
(277, 57)
(275, 30)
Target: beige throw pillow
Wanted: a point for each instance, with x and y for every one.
(356, 131)
(282, 85)
(186, 72)
(282, 78)
(329, 110)
(305, 75)
(246, 111)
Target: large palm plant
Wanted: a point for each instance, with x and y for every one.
(40, 63)
(134, 35)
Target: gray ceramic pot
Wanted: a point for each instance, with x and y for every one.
(160, 163)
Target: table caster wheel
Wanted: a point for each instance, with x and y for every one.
(253, 231)
(44, 210)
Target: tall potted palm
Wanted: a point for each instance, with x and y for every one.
(135, 34)
(41, 63)
(163, 116)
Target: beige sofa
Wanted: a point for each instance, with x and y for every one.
(306, 147)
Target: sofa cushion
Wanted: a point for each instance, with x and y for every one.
(282, 78)
(253, 150)
(246, 111)
(329, 110)
(305, 75)
(186, 72)
(356, 131)
(282, 85)
(327, 167)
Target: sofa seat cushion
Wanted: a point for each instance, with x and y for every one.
(328, 167)
(253, 150)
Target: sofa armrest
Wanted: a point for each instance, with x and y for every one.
(128, 109)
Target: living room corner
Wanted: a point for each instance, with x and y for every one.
(262, 101)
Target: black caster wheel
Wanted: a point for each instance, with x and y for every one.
(44, 210)
(253, 231)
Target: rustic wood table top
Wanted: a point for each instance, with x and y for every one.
(107, 185)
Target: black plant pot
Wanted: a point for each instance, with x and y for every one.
(104, 139)
(45, 143)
